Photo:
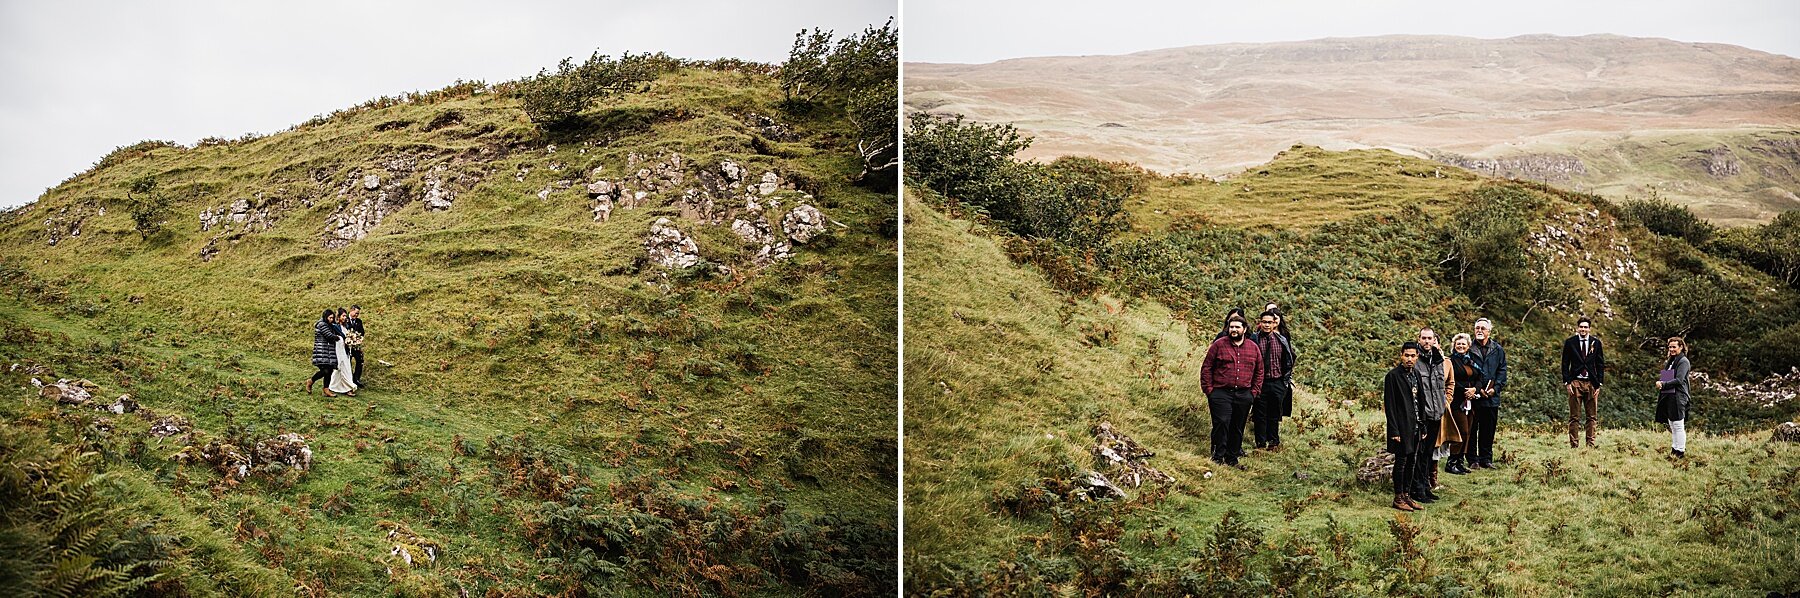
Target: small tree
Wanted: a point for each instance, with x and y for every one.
(875, 112)
(554, 99)
(805, 75)
(149, 207)
(815, 66)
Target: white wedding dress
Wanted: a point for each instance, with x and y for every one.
(341, 377)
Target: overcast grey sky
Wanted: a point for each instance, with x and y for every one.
(977, 31)
(79, 78)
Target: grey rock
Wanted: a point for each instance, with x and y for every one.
(803, 224)
(669, 248)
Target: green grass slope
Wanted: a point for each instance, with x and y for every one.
(547, 410)
(1007, 377)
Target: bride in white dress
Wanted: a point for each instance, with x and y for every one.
(340, 382)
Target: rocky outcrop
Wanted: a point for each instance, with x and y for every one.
(1534, 167)
(370, 195)
(720, 196)
(1768, 392)
(769, 127)
(1786, 432)
(1591, 244)
(803, 224)
(67, 220)
(669, 248)
(1720, 163)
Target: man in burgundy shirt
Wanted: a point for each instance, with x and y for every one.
(1232, 376)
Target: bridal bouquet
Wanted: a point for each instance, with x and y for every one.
(353, 338)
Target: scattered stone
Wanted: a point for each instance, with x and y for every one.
(1786, 432)
(69, 392)
(1128, 459)
(770, 128)
(223, 457)
(1377, 468)
(409, 548)
(770, 183)
(371, 182)
(170, 425)
(1093, 485)
(669, 248)
(124, 404)
(288, 449)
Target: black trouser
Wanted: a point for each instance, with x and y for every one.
(1405, 469)
(1423, 464)
(1230, 408)
(1480, 447)
(1266, 412)
(324, 373)
(356, 359)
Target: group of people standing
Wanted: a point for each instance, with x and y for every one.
(1422, 429)
(1442, 408)
(1248, 376)
(337, 351)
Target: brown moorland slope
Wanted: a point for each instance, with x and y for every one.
(1713, 126)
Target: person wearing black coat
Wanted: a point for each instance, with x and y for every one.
(1672, 393)
(1277, 398)
(1583, 371)
(355, 324)
(1485, 418)
(324, 353)
(1403, 402)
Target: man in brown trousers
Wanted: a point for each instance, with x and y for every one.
(1583, 371)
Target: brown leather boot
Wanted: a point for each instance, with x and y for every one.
(1435, 486)
(1413, 503)
(1404, 503)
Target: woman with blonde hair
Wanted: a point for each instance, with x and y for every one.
(1672, 392)
(1467, 376)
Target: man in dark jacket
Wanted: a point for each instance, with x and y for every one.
(1583, 371)
(356, 351)
(1433, 370)
(324, 353)
(1403, 401)
(1232, 377)
(1486, 409)
(1277, 398)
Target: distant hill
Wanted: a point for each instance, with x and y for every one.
(649, 352)
(1712, 126)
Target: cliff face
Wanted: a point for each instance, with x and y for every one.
(1509, 105)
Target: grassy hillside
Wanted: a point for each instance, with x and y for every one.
(548, 409)
(1007, 378)
(1301, 187)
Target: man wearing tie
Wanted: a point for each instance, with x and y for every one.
(1583, 371)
